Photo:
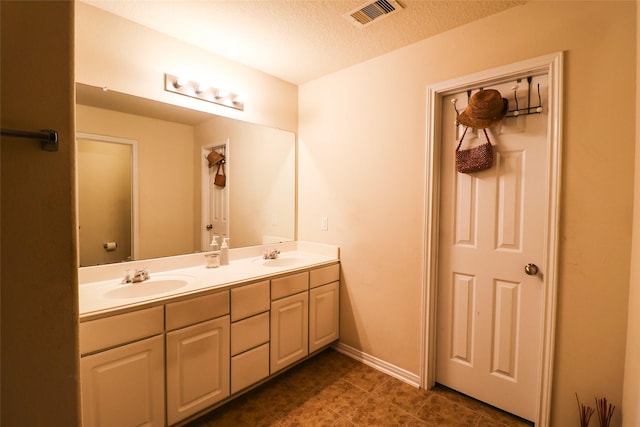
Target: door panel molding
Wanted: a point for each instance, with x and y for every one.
(552, 66)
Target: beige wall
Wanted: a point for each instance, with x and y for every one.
(361, 163)
(39, 269)
(631, 393)
(165, 176)
(130, 58)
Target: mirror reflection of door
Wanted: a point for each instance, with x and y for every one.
(215, 199)
(105, 187)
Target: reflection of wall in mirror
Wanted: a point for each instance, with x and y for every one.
(261, 179)
(165, 175)
(104, 201)
(261, 173)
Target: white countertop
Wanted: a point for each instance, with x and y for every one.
(103, 291)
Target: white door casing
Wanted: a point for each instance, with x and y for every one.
(214, 199)
(509, 290)
(133, 144)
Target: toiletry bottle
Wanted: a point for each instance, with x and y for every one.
(213, 257)
(213, 246)
(224, 251)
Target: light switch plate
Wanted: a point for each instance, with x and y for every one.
(324, 223)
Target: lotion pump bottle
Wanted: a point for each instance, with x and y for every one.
(224, 251)
(213, 246)
(213, 257)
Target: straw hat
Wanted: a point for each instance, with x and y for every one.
(485, 108)
(214, 158)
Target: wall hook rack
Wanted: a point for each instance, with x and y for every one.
(48, 138)
(537, 109)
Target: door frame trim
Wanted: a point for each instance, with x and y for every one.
(135, 222)
(552, 65)
(203, 234)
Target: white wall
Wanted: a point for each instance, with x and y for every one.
(361, 163)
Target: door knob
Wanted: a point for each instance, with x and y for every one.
(531, 269)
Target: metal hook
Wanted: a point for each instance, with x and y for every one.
(529, 79)
(539, 109)
(514, 88)
(453, 101)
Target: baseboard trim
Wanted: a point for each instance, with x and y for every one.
(379, 364)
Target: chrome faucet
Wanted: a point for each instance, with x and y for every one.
(141, 275)
(270, 254)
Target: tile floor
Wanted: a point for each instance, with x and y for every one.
(332, 389)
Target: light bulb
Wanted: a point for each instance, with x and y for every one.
(202, 87)
(180, 82)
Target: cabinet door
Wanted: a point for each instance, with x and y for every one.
(289, 330)
(197, 368)
(324, 315)
(124, 386)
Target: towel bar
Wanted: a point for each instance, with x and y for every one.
(48, 138)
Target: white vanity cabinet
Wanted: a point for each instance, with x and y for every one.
(289, 320)
(249, 334)
(122, 369)
(178, 357)
(197, 354)
(324, 306)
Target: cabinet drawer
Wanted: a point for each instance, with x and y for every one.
(120, 329)
(250, 367)
(289, 285)
(324, 275)
(249, 333)
(249, 300)
(195, 310)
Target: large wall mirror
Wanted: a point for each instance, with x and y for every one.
(162, 201)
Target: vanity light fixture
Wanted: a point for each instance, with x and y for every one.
(202, 91)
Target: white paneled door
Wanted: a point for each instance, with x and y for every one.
(489, 303)
(215, 199)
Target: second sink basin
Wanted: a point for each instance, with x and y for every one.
(148, 288)
(280, 262)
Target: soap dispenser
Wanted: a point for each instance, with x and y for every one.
(213, 257)
(213, 246)
(224, 251)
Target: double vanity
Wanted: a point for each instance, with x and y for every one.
(189, 338)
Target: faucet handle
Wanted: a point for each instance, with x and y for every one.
(126, 276)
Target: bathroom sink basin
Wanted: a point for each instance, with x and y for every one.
(281, 262)
(148, 288)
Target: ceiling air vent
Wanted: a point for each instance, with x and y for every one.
(373, 11)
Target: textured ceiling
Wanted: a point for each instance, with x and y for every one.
(297, 40)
